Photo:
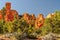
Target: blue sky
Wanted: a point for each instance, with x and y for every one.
(33, 6)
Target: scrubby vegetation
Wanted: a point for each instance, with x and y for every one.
(20, 27)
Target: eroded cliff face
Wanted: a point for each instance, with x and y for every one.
(9, 13)
(39, 21)
(0, 15)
